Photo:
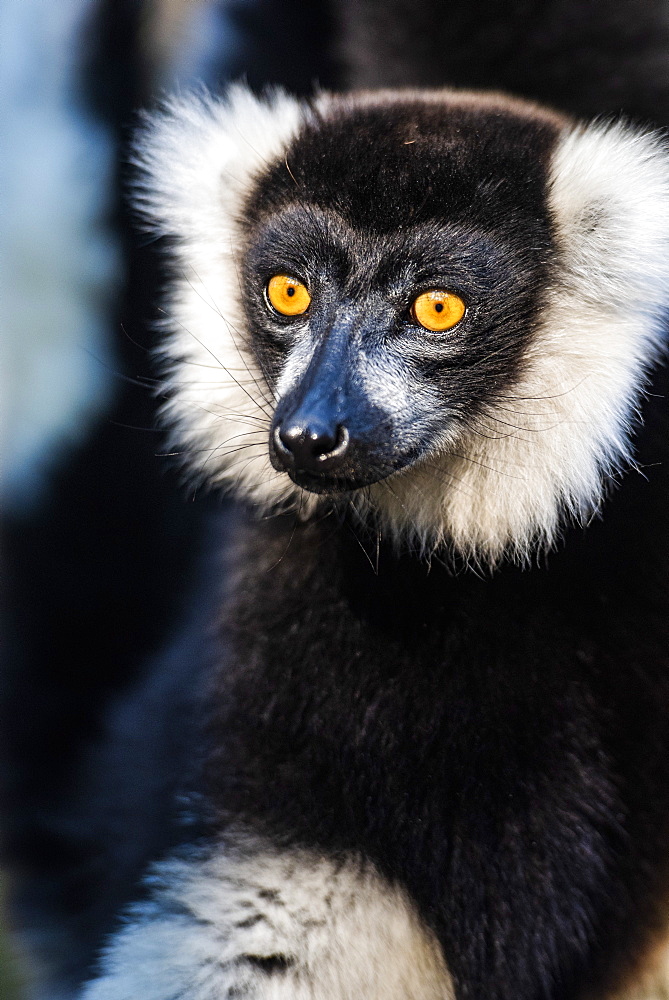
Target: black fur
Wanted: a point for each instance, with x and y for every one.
(497, 745)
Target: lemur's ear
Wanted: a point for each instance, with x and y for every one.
(198, 155)
(609, 195)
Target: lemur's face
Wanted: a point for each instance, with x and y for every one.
(436, 308)
(395, 268)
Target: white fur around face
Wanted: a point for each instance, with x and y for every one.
(338, 930)
(200, 158)
(543, 452)
(650, 983)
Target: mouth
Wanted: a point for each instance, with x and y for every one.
(356, 473)
(324, 485)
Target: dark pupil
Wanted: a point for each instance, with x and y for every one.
(439, 307)
(290, 290)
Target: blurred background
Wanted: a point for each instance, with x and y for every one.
(99, 535)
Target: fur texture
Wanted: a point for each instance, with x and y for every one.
(250, 920)
(550, 446)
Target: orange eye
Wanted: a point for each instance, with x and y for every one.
(288, 295)
(438, 309)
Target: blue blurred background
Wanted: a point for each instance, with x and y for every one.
(99, 536)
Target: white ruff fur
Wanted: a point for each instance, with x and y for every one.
(337, 929)
(543, 452)
(652, 983)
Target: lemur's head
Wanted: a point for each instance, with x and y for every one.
(438, 307)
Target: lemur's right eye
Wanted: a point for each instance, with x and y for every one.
(438, 309)
(288, 295)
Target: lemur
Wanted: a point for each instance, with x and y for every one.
(418, 334)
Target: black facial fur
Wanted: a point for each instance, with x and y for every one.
(449, 197)
(482, 165)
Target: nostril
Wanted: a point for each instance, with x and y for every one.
(341, 443)
(281, 447)
(320, 442)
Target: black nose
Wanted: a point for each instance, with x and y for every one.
(312, 447)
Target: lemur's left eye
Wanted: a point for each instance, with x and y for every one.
(438, 309)
(288, 295)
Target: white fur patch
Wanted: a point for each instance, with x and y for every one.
(200, 158)
(250, 921)
(544, 451)
(651, 984)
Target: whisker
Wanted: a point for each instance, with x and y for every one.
(529, 430)
(147, 350)
(387, 485)
(491, 437)
(482, 465)
(557, 395)
(225, 414)
(209, 451)
(447, 478)
(235, 336)
(133, 427)
(212, 305)
(292, 533)
(375, 569)
(232, 451)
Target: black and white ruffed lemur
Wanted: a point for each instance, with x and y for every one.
(419, 334)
